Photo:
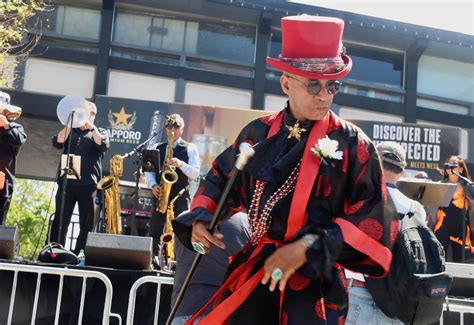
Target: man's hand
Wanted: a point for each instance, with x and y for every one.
(156, 190)
(3, 121)
(288, 258)
(176, 162)
(201, 235)
(88, 126)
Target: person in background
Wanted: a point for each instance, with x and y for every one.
(12, 137)
(185, 161)
(449, 220)
(211, 270)
(362, 307)
(91, 143)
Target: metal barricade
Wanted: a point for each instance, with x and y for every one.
(460, 306)
(61, 272)
(159, 280)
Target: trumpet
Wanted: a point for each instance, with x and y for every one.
(11, 112)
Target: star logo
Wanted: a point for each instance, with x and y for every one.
(295, 131)
(122, 117)
(122, 120)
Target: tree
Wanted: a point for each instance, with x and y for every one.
(15, 42)
(29, 212)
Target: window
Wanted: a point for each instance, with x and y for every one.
(203, 94)
(379, 67)
(230, 42)
(446, 78)
(139, 86)
(59, 78)
(68, 21)
(275, 103)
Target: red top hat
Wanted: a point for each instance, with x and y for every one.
(312, 48)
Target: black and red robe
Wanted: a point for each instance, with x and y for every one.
(341, 200)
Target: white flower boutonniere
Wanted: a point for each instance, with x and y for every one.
(327, 149)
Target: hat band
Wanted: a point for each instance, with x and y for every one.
(393, 162)
(318, 65)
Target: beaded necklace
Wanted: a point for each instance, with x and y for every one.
(260, 225)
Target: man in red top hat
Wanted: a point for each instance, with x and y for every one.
(314, 193)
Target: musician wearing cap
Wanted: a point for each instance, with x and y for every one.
(313, 191)
(362, 308)
(12, 137)
(182, 158)
(90, 143)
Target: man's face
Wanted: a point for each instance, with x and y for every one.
(91, 112)
(174, 133)
(303, 104)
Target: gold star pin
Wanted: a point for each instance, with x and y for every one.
(295, 131)
(122, 117)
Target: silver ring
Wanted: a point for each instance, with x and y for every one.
(198, 247)
(277, 274)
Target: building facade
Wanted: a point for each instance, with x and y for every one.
(212, 52)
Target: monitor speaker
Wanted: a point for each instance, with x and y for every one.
(9, 239)
(118, 251)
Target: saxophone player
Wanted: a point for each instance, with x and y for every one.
(184, 160)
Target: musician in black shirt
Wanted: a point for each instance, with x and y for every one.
(90, 143)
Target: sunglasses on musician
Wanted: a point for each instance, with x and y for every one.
(314, 87)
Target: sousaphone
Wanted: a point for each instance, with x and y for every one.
(72, 104)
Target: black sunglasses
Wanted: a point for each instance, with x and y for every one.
(313, 87)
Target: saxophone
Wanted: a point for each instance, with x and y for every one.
(110, 186)
(167, 238)
(168, 178)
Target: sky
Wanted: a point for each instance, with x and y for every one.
(455, 15)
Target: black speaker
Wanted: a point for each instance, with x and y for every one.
(9, 239)
(118, 251)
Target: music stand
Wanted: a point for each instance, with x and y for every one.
(74, 169)
(427, 192)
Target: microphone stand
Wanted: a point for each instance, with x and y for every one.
(246, 152)
(468, 193)
(67, 171)
(137, 150)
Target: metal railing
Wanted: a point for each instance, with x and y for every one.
(159, 280)
(461, 306)
(61, 272)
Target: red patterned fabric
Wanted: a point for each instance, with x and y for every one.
(320, 308)
(351, 209)
(268, 119)
(372, 227)
(394, 229)
(362, 152)
(323, 188)
(297, 282)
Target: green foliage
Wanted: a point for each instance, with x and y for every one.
(29, 211)
(14, 39)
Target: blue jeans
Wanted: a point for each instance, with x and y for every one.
(180, 320)
(364, 311)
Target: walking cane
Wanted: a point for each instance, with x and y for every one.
(246, 152)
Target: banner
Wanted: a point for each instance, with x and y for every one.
(130, 122)
(427, 147)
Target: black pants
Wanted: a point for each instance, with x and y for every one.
(4, 205)
(5, 198)
(85, 198)
(158, 220)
